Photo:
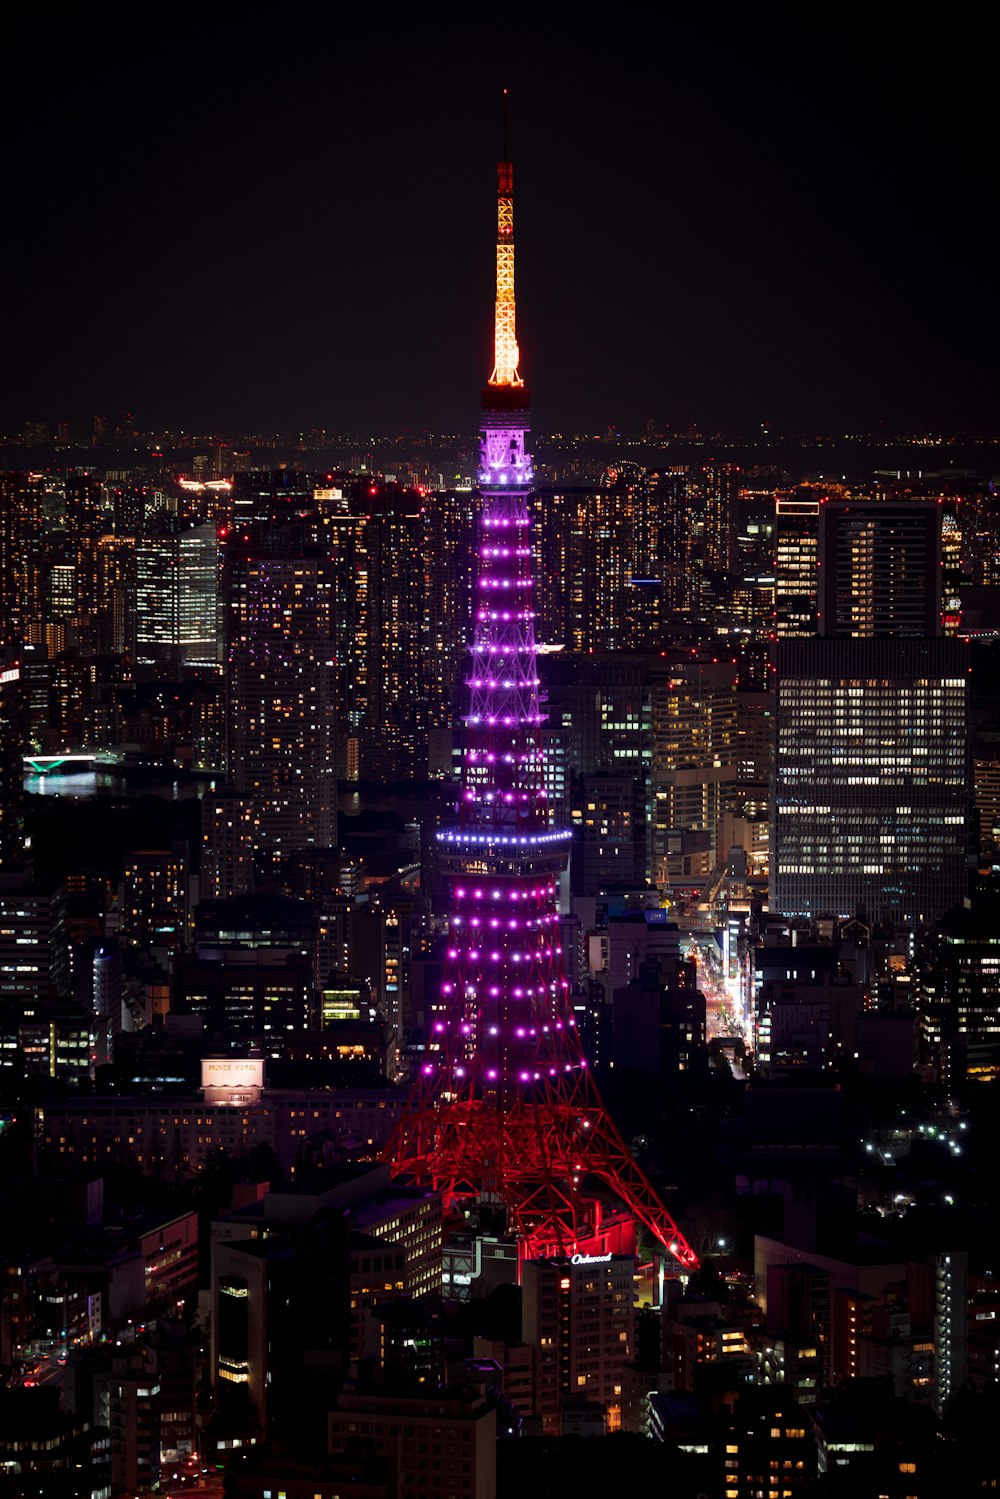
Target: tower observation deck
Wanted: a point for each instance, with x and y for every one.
(504, 1107)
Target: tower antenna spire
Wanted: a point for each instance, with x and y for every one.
(505, 350)
(506, 104)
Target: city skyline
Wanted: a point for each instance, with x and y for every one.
(765, 223)
(499, 973)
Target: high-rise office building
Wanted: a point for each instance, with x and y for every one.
(870, 778)
(176, 569)
(129, 503)
(34, 948)
(449, 531)
(796, 545)
(11, 750)
(879, 569)
(393, 708)
(951, 565)
(958, 995)
(604, 563)
(22, 553)
(436, 1445)
(85, 525)
(694, 749)
(116, 586)
(282, 702)
(871, 774)
(281, 586)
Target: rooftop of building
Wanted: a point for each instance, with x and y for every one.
(259, 913)
(452, 1400)
(30, 1416)
(677, 1410)
(172, 1103)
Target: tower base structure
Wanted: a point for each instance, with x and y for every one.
(544, 1158)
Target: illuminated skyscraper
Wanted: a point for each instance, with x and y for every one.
(393, 621)
(796, 542)
(280, 591)
(504, 1107)
(22, 554)
(879, 569)
(176, 570)
(85, 525)
(448, 549)
(871, 778)
(694, 750)
(116, 622)
(871, 774)
(11, 750)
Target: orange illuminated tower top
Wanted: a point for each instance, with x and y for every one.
(504, 331)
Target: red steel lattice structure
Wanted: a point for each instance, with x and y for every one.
(504, 1107)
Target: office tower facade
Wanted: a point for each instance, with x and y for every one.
(34, 948)
(720, 485)
(247, 995)
(116, 587)
(796, 553)
(871, 778)
(602, 703)
(85, 525)
(129, 503)
(694, 750)
(770, 1448)
(504, 1105)
(980, 531)
(957, 995)
(176, 572)
(879, 569)
(391, 703)
(952, 550)
(274, 1299)
(675, 532)
(448, 547)
(23, 554)
(282, 705)
(871, 775)
(11, 751)
(107, 987)
(280, 588)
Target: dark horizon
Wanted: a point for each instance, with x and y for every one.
(267, 227)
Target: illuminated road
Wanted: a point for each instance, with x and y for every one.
(723, 1013)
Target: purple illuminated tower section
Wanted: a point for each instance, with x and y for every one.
(504, 1108)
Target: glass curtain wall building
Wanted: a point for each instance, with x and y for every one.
(871, 778)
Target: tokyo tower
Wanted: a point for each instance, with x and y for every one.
(504, 1107)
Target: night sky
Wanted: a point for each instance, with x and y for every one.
(262, 221)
